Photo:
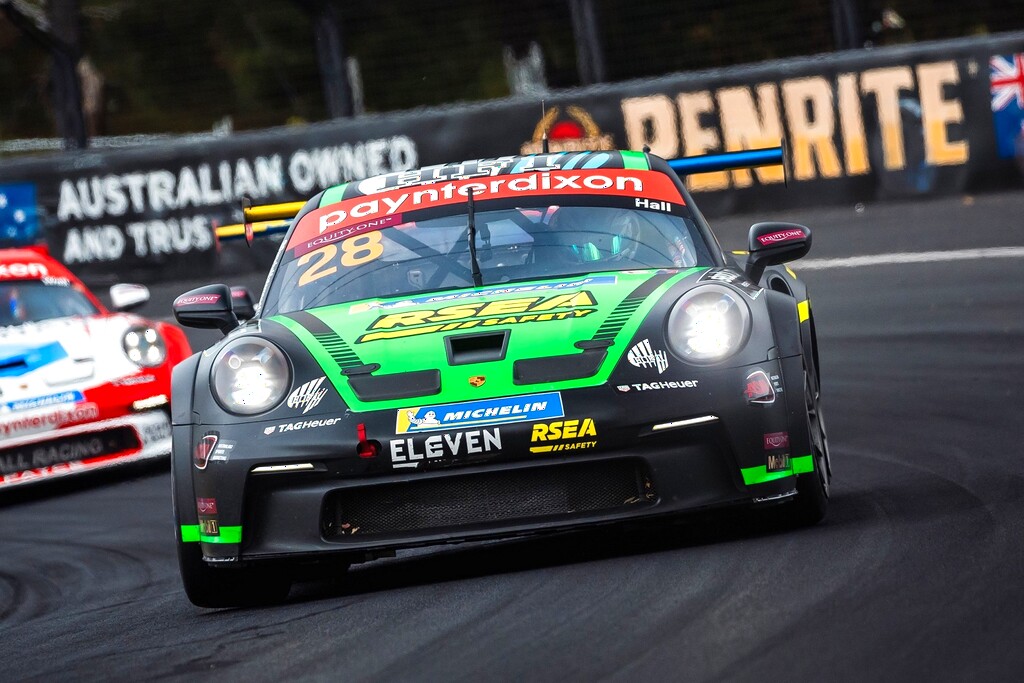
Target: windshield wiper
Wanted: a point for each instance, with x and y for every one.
(478, 280)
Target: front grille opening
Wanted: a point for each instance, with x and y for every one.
(506, 496)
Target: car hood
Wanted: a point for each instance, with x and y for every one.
(38, 360)
(480, 343)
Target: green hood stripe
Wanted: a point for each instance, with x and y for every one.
(635, 160)
(336, 347)
(333, 195)
(614, 323)
(611, 327)
(760, 475)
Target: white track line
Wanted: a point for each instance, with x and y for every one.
(908, 257)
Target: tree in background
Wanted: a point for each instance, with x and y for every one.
(57, 33)
(158, 66)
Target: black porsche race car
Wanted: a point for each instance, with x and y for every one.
(489, 349)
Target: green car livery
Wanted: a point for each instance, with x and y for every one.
(496, 348)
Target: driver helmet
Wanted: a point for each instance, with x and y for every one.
(13, 306)
(599, 234)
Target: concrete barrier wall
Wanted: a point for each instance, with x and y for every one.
(930, 118)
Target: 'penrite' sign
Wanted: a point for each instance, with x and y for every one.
(823, 118)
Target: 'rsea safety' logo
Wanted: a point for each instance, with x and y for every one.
(563, 435)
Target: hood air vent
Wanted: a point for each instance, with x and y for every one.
(562, 368)
(399, 385)
(464, 349)
(13, 366)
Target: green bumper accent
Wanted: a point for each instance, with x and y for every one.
(759, 475)
(228, 534)
(803, 464)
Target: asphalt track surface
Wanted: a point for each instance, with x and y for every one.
(916, 574)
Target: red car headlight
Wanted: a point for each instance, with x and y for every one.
(144, 346)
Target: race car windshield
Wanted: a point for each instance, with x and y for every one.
(32, 301)
(513, 245)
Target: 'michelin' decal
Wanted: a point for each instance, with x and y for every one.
(483, 412)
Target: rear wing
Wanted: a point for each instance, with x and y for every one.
(263, 220)
(709, 163)
(275, 218)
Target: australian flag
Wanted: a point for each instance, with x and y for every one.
(1006, 80)
(19, 222)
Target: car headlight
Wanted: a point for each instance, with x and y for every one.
(250, 376)
(144, 346)
(708, 324)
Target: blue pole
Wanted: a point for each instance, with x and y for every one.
(707, 163)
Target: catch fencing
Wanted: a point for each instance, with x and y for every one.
(918, 120)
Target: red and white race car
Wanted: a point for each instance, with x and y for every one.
(81, 387)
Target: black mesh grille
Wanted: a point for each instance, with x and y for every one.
(506, 496)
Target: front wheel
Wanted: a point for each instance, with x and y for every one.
(811, 502)
(208, 586)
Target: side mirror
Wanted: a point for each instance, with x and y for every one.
(770, 244)
(241, 302)
(125, 297)
(206, 307)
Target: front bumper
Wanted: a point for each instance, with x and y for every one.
(309, 494)
(84, 447)
(293, 513)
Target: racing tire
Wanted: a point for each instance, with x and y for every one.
(207, 586)
(812, 488)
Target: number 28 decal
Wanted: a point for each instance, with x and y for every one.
(355, 251)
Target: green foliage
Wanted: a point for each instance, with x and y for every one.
(182, 66)
(24, 71)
